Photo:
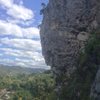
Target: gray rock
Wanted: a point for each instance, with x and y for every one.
(95, 90)
(62, 38)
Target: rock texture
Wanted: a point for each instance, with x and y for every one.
(95, 90)
(65, 28)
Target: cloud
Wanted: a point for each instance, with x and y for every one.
(20, 12)
(22, 44)
(6, 3)
(19, 40)
(30, 55)
(17, 11)
(18, 21)
(17, 31)
(22, 58)
(21, 52)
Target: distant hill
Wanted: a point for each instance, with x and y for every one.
(15, 70)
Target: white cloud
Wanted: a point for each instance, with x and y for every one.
(17, 31)
(6, 3)
(18, 21)
(25, 58)
(19, 45)
(20, 12)
(26, 52)
(17, 11)
(24, 44)
(30, 55)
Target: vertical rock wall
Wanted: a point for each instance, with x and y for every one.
(65, 28)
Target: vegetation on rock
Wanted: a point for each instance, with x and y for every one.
(80, 82)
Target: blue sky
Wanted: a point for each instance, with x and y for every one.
(19, 35)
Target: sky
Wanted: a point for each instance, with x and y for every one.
(19, 35)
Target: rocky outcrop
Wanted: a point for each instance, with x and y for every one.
(65, 29)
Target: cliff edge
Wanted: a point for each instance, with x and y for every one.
(65, 30)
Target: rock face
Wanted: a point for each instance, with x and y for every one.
(95, 90)
(65, 28)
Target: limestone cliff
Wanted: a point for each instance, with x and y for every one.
(65, 29)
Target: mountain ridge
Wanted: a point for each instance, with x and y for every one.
(15, 70)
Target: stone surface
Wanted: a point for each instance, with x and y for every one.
(95, 90)
(65, 29)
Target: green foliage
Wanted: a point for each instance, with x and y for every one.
(29, 87)
(22, 94)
